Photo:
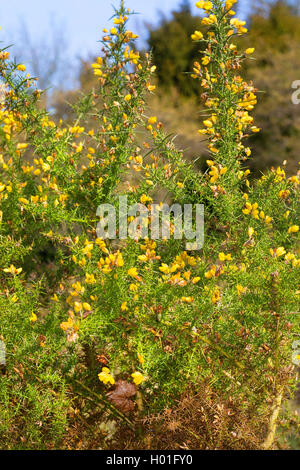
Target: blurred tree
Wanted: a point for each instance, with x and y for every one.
(173, 50)
(63, 100)
(273, 25)
(275, 34)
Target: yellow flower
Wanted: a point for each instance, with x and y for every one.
(216, 296)
(88, 247)
(128, 97)
(223, 257)
(229, 4)
(105, 376)
(22, 146)
(101, 243)
(67, 325)
(23, 200)
(164, 268)
(294, 179)
(21, 67)
(86, 306)
(90, 278)
(284, 193)
(293, 229)
(119, 260)
(13, 270)
(187, 300)
(77, 307)
(120, 20)
(78, 288)
(250, 232)
(289, 257)
(133, 287)
(208, 123)
(144, 199)
(98, 72)
(250, 50)
(205, 60)
(46, 166)
(150, 87)
(208, 5)
(124, 307)
(277, 252)
(197, 36)
(33, 317)
(140, 358)
(133, 272)
(240, 289)
(268, 219)
(210, 20)
(209, 274)
(14, 298)
(152, 120)
(251, 209)
(138, 378)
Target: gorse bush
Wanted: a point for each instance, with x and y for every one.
(274, 32)
(135, 323)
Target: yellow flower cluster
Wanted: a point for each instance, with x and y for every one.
(106, 377)
(110, 262)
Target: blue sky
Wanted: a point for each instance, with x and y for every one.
(83, 19)
(82, 22)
